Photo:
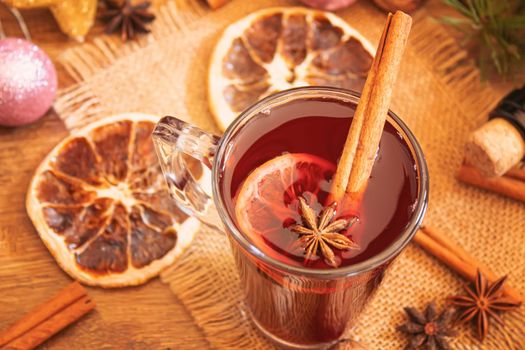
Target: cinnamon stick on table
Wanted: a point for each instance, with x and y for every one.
(518, 172)
(66, 307)
(511, 186)
(365, 132)
(444, 249)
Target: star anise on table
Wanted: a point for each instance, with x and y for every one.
(483, 302)
(322, 233)
(130, 19)
(428, 330)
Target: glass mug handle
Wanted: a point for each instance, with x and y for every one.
(174, 139)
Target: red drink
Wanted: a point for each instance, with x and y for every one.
(271, 176)
(319, 127)
(312, 311)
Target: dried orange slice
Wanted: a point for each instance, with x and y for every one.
(280, 48)
(101, 206)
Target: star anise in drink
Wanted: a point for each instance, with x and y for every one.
(322, 233)
(483, 302)
(428, 330)
(129, 18)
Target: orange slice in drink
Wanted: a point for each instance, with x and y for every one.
(100, 204)
(267, 202)
(281, 48)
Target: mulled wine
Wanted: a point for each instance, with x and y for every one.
(318, 128)
(290, 150)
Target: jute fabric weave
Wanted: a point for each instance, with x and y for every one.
(439, 95)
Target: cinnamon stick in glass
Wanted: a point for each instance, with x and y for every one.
(365, 132)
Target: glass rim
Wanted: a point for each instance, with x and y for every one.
(366, 265)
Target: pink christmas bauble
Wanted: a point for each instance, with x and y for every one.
(329, 5)
(28, 82)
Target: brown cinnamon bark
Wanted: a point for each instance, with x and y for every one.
(52, 325)
(444, 249)
(518, 172)
(67, 306)
(360, 148)
(505, 185)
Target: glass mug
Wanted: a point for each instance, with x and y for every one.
(296, 307)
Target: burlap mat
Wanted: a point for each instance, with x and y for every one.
(440, 97)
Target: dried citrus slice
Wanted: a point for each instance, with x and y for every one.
(100, 204)
(268, 199)
(280, 48)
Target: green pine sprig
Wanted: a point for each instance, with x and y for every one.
(497, 30)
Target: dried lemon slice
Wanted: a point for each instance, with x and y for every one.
(281, 48)
(101, 206)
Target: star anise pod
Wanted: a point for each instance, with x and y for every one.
(483, 302)
(129, 18)
(322, 233)
(428, 330)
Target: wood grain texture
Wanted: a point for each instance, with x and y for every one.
(146, 317)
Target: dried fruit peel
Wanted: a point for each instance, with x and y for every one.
(281, 48)
(100, 205)
(259, 201)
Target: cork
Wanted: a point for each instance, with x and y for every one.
(495, 148)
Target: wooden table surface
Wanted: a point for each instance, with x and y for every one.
(146, 317)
